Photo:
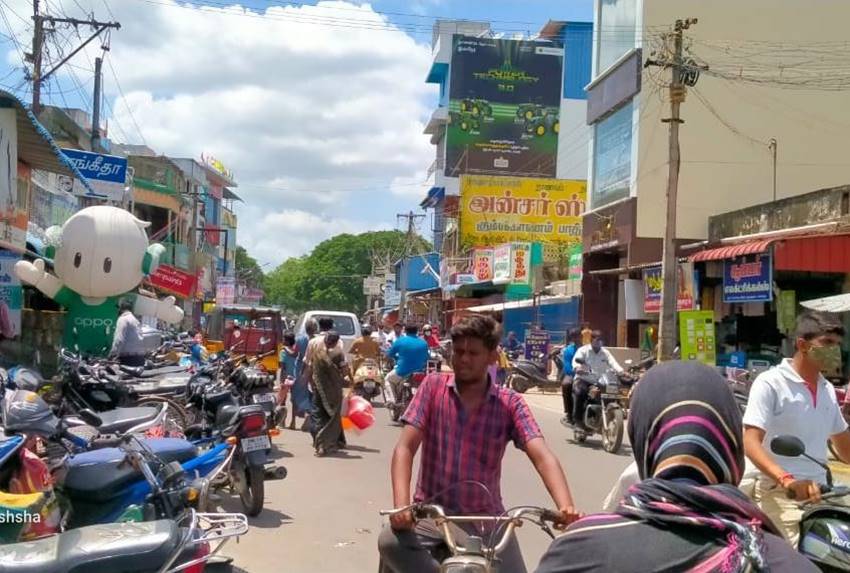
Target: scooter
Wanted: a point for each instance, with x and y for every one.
(135, 480)
(163, 546)
(368, 380)
(406, 390)
(528, 374)
(479, 554)
(824, 527)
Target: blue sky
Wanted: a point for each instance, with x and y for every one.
(318, 110)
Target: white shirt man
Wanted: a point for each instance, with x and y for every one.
(597, 361)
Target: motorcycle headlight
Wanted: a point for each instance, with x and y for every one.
(464, 564)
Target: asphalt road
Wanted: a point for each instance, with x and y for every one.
(323, 518)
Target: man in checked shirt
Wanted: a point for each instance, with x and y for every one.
(464, 423)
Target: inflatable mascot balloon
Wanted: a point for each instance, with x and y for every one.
(100, 254)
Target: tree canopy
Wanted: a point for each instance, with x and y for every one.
(247, 269)
(331, 276)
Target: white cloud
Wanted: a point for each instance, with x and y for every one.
(322, 125)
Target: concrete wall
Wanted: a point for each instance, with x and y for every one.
(727, 167)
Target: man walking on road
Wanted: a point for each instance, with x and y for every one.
(450, 416)
(127, 345)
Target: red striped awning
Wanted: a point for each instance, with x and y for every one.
(732, 251)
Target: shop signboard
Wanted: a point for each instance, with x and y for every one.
(576, 262)
(521, 263)
(251, 296)
(392, 297)
(173, 281)
(653, 282)
(786, 311)
(13, 189)
(504, 107)
(497, 210)
(748, 278)
(537, 345)
(11, 296)
(372, 286)
(502, 263)
(225, 291)
(482, 265)
(107, 174)
(696, 333)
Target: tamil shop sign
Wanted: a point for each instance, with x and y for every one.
(173, 280)
(107, 174)
(748, 279)
(498, 210)
(511, 263)
(653, 282)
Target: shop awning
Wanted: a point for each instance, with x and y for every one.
(837, 303)
(732, 251)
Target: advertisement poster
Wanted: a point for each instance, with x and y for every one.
(225, 291)
(504, 107)
(653, 282)
(786, 311)
(11, 296)
(537, 345)
(576, 263)
(502, 263)
(107, 174)
(482, 265)
(392, 296)
(13, 198)
(748, 279)
(696, 332)
(521, 263)
(497, 210)
(173, 281)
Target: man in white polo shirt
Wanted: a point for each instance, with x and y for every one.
(795, 399)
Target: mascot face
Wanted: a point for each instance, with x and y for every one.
(101, 252)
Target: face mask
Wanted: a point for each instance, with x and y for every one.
(828, 358)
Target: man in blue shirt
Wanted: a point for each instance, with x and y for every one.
(573, 339)
(410, 354)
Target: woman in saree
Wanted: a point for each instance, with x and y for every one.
(328, 381)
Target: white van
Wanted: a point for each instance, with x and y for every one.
(345, 323)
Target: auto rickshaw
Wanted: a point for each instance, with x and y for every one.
(256, 329)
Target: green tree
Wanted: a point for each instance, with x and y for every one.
(247, 269)
(331, 276)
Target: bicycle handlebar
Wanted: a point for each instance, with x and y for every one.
(512, 518)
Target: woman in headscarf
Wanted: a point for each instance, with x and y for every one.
(328, 382)
(687, 514)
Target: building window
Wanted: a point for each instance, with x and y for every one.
(616, 33)
(612, 157)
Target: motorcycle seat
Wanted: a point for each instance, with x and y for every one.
(127, 547)
(120, 420)
(142, 372)
(165, 385)
(100, 475)
(215, 399)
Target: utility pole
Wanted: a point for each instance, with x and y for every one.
(408, 248)
(39, 19)
(681, 76)
(95, 120)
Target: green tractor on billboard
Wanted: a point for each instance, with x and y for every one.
(477, 108)
(465, 122)
(539, 120)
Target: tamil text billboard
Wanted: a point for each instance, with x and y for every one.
(496, 210)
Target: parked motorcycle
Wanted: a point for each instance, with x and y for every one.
(604, 412)
(528, 374)
(368, 380)
(480, 554)
(824, 527)
(163, 546)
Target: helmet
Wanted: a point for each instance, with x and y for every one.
(366, 330)
(427, 328)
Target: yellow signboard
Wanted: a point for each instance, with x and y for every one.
(497, 210)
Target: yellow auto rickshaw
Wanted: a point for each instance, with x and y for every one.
(249, 330)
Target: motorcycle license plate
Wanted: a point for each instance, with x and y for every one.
(256, 443)
(611, 396)
(264, 398)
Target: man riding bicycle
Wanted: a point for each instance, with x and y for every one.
(449, 416)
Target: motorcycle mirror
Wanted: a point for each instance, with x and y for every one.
(789, 446)
(90, 418)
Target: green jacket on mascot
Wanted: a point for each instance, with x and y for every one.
(100, 255)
